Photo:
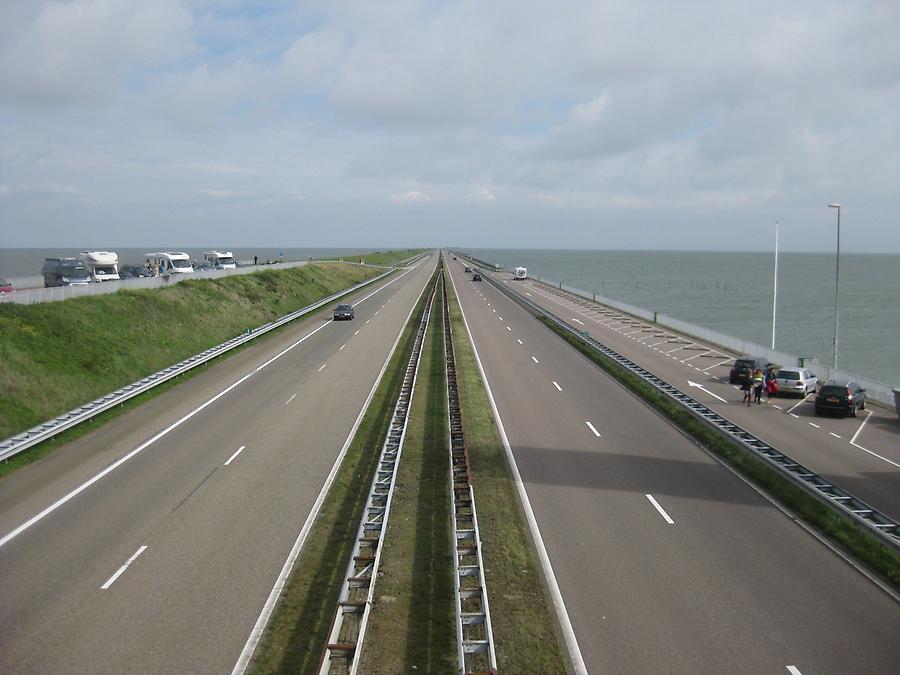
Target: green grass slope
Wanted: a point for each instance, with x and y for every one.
(56, 356)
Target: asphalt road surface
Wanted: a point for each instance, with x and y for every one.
(666, 561)
(862, 455)
(163, 563)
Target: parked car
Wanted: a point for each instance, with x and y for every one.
(795, 381)
(135, 272)
(743, 368)
(476, 277)
(65, 272)
(5, 287)
(841, 396)
(343, 312)
(468, 269)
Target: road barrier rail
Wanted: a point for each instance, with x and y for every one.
(474, 635)
(42, 432)
(348, 628)
(881, 526)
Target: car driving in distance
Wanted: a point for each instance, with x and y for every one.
(468, 269)
(795, 381)
(476, 277)
(840, 396)
(343, 313)
(743, 368)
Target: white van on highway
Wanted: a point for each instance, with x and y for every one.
(520, 273)
(171, 262)
(221, 260)
(101, 265)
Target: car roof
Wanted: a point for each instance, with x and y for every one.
(791, 369)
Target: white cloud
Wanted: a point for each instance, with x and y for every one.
(410, 197)
(483, 194)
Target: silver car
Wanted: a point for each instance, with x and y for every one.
(795, 381)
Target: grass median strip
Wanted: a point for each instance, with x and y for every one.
(838, 529)
(411, 625)
(525, 633)
(297, 631)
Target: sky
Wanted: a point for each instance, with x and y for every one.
(511, 124)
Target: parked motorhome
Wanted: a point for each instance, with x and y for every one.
(64, 272)
(520, 273)
(101, 265)
(221, 260)
(171, 262)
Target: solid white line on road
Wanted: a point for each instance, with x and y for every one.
(342, 348)
(121, 570)
(535, 360)
(660, 509)
(293, 396)
(834, 434)
(853, 440)
(716, 365)
(577, 321)
(559, 604)
(702, 388)
(874, 454)
(322, 367)
(800, 402)
(591, 427)
(793, 670)
(518, 340)
(814, 425)
(241, 449)
(557, 386)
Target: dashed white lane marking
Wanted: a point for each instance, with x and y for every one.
(555, 384)
(592, 428)
(535, 360)
(518, 340)
(356, 333)
(794, 416)
(342, 348)
(368, 320)
(376, 313)
(293, 396)
(494, 311)
(241, 449)
(814, 425)
(322, 367)
(834, 434)
(508, 328)
(577, 321)
(777, 406)
(716, 365)
(661, 510)
(500, 317)
(793, 670)
(121, 570)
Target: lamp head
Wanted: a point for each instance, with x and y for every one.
(834, 206)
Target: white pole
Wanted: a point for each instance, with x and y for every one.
(775, 295)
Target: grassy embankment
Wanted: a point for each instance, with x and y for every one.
(296, 633)
(56, 356)
(411, 626)
(881, 560)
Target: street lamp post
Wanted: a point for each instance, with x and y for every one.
(837, 276)
(775, 292)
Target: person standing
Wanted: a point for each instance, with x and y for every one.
(255, 260)
(757, 386)
(771, 385)
(746, 387)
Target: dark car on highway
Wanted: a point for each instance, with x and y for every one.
(743, 368)
(476, 277)
(343, 312)
(135, 272)
(840, 396)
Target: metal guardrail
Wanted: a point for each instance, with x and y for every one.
(474, 636)
(348, 628)
(884, 528)
(42, 432)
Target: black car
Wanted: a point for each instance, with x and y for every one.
(135, 272)
(468, 269)
(476, 277)
(343, 312)
(743, 368)
(840, 396)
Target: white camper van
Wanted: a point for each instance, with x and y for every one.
(221, 260)
(520, 273)
(172, 262)
(101, 265)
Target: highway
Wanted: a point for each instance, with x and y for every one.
(861, 455)
(152, 543)
(666, 561)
